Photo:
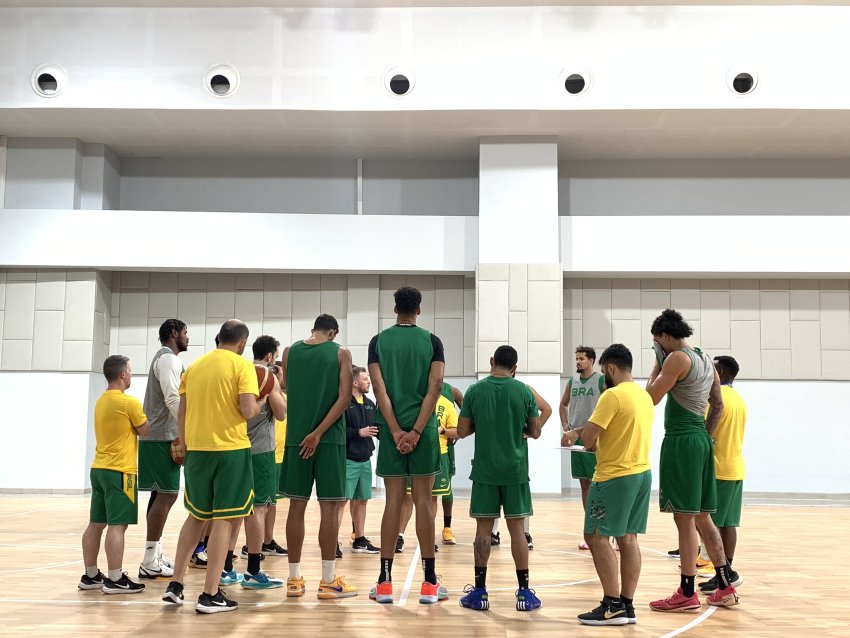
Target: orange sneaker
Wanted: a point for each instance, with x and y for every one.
(295, 587)
(337, 588)
(382, 592)
(428, 593)
(677, 603)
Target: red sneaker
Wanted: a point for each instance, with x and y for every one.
(428, 593)
(382, 592)
(724, 597)
(678, 602)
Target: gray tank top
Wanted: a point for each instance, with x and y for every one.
(691, 393)
(584, 394)
(261, 431)
(163, 425)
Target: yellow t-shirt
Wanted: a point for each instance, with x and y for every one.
(729, 437)
(279, 438)
(446, 418)
(116, 416)
(625, 413)
(212, 385)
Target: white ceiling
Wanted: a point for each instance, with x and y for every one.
(657, 134)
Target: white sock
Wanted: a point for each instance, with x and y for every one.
(328, 568)
(151, 552)
(115, 574)
(525, 524)
(91, 572)
(495, 526)
(295, 570)
(159, 548)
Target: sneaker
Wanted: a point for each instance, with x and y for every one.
(215, 604)
(261, 580)
(476, 598)
(230, 578)
(383, 592)
(495, 539)
(95, 582)
(339, 550)
(583, 546)
(165, 559)
(706, 571)
(448, 536)
(155, 569)
(527, 600)
(727, 597)
(295, 587)
(173, 593)
(709, 586)
(430, 594)
(630, 614)
(605, 614)
(436, 548)
(673, 553)
(245, 553)
(198, 560)
(338, 588)
(273, 549)
(529, 541)
(364, 547)
(442, 592)
(735, 579)
(677, 603)
(122, 586)
(399, 544)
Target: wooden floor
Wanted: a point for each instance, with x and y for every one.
(790, 556)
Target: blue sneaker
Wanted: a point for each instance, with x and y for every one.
(261, 581)
(476, 598)
(526, 600)
(230, 578)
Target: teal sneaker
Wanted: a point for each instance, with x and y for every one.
(261, 580)
(230, 578)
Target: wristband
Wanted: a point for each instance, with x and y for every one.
(418, 433)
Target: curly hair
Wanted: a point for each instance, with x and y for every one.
(671, 323)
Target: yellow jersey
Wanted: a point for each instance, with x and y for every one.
(625, 413)
(446, 418)
(212, 385)
(116, 417)
(729, 437)
(279, 438)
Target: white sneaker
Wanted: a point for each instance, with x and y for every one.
(155, 569)
(166, 561)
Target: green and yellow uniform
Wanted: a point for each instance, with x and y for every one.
(113, 472)
(218, 470)
(499, 408)
(279, 447)
(446, 419)
(618, 500)
(729, 459)
(584, 394)
(446, 392)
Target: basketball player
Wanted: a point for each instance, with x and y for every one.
(728, 462)
(455, 396)
(579, 400)
(687, 482)
(318, 384)
(406, 365)
(502, 413)
(158, 473)
(620, 432)
(270, 545)
(118, 420)
(218, 393)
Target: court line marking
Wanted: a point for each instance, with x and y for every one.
(408, 582)
(691, 624)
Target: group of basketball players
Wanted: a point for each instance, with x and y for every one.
(211, 415)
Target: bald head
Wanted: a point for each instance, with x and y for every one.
(233, 333)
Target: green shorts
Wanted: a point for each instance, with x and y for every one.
(618, 506)
(582, 464)
(687, 484)
(326, 467)
(442, 482)
(452, 466)
(265, 478)
(219, 485)
(278, 470)
(423, 461)
(358, 480)
(114, 497)
(730, 494)
(157, 470)
(487, 501)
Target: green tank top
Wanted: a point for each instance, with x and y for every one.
(312, 387)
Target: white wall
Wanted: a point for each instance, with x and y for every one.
(43, 173)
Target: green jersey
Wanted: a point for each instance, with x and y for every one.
(312, 387)
(447, 392)
(499, 408)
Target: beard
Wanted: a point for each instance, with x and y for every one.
(609, 381)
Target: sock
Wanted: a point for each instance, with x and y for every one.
(480, 576)
(159, 548)
(386, 570)
(687, 585)
(615, 602)
(723, 576)
(447, 521)
(428, 566)
(328, 570)
(495, 529)
(628, 602)
(522, 578)
(295, 570)
(253, 564)
(150, 552)
(115, 574)
(729, 562)
(91, 572)
(525, 525)
(228, 562)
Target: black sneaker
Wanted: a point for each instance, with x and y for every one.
(215, 604)
(364, 546)
(122, 586)
(245, 553)
(529, 541)
(436, 549)
(495, 539)
(399, 544)
(198, 560)
(709, 586)
(173, 593)
(735, 579)
(273, 549)
(630, 614)
(673, 553)
(339, 550)
(95, 582)
(605, 614)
